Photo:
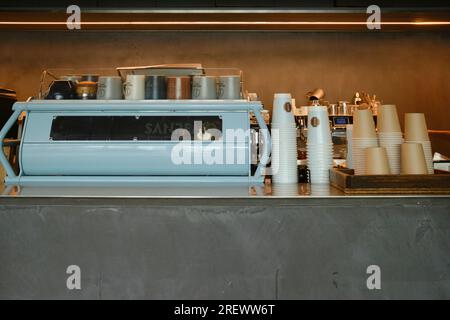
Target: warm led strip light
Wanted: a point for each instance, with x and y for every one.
(207, 23)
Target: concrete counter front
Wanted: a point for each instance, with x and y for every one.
(222, 243)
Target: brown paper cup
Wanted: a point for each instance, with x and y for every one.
(363, 125)
(416, 127)
(413, 159)
(377, 161)
(388, 119)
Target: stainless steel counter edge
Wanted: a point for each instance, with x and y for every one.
(227, 201)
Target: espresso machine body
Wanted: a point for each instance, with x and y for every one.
(129, 142)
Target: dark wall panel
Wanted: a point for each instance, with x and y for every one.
(408, 69)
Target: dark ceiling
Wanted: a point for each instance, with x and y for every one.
(219, 4)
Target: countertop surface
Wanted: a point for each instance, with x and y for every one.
(201, 191)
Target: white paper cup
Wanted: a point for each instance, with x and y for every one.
(282, 109)
(318, 125)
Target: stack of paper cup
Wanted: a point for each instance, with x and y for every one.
(390, 135)
(416, 132)
(319, 145)
(364, 136)
(285, 189)
(349, 133)
(320, 190)
(284, 140)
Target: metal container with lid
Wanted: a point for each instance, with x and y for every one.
(333, 109)
(87, 90)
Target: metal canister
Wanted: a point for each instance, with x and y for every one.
(87, 90)
(178, 88)
(344, 108)
(155, 87)
(333, 110)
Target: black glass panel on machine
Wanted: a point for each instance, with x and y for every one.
(341, 120)
(124, 128)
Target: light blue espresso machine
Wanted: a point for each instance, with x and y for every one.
(131, 143)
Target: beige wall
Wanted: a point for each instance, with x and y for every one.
(407, 69)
